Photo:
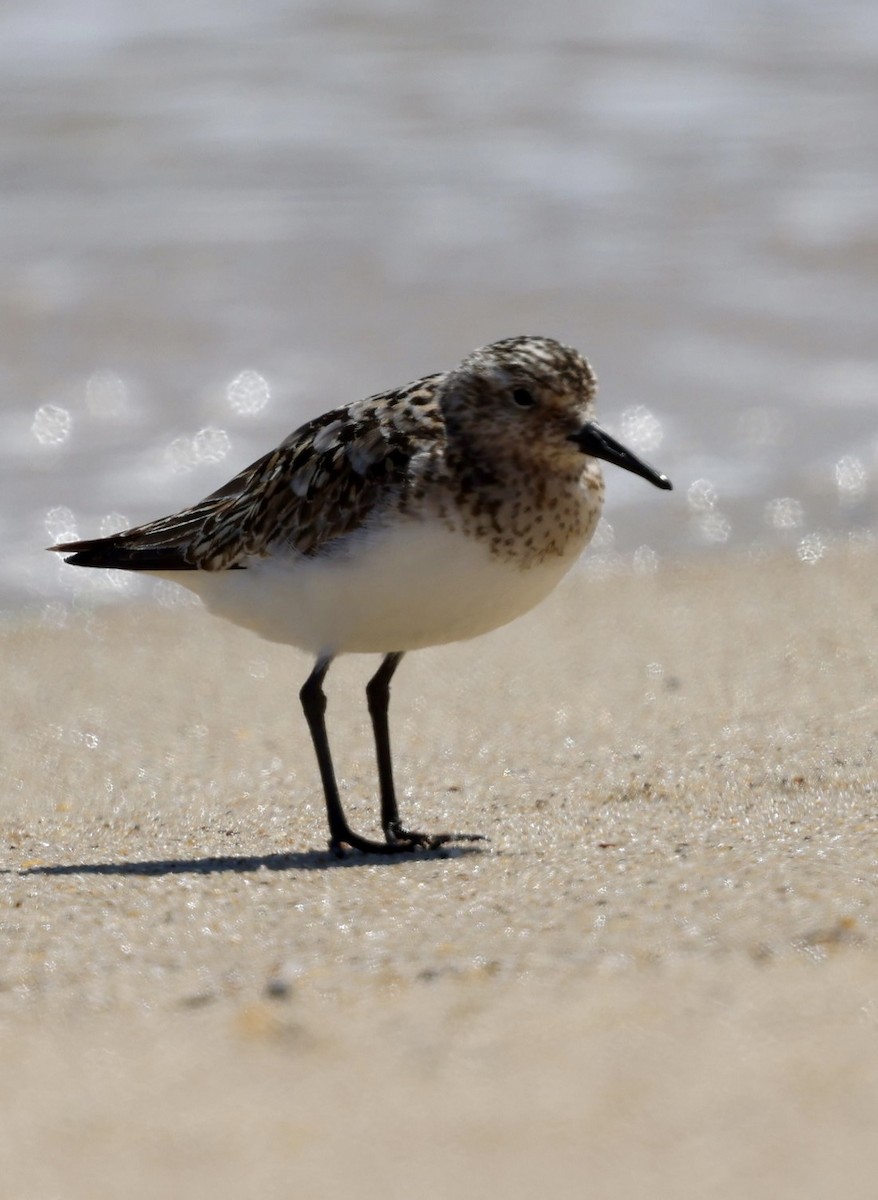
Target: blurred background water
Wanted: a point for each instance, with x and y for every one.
(218, 219)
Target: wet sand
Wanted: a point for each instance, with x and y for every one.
(659, 978)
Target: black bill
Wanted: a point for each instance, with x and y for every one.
(595, 441)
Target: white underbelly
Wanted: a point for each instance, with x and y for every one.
(401, 588)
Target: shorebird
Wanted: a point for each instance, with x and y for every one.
(430, 513)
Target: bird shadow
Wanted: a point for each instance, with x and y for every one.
(307, 860)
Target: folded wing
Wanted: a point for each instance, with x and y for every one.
(321, 483)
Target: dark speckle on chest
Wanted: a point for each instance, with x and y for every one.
(539, 519)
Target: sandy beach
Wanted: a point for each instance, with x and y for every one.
(659, 977)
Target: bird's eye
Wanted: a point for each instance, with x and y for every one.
(522, 398)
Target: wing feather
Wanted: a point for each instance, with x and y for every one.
(320, 484)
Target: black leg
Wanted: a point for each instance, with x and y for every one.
(340, 833)
(378, 698)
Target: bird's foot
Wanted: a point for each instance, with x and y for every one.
(399, 841)
(415, 839)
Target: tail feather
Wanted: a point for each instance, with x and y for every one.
(123, 555)
(162, 545)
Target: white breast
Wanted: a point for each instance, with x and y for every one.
(409, 585)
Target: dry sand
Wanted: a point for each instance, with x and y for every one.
(660, 979)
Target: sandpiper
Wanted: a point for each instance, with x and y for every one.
(427, 514)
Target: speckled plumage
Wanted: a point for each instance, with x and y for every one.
(446, 443)
(429, 513)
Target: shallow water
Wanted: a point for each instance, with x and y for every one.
(219, 220)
